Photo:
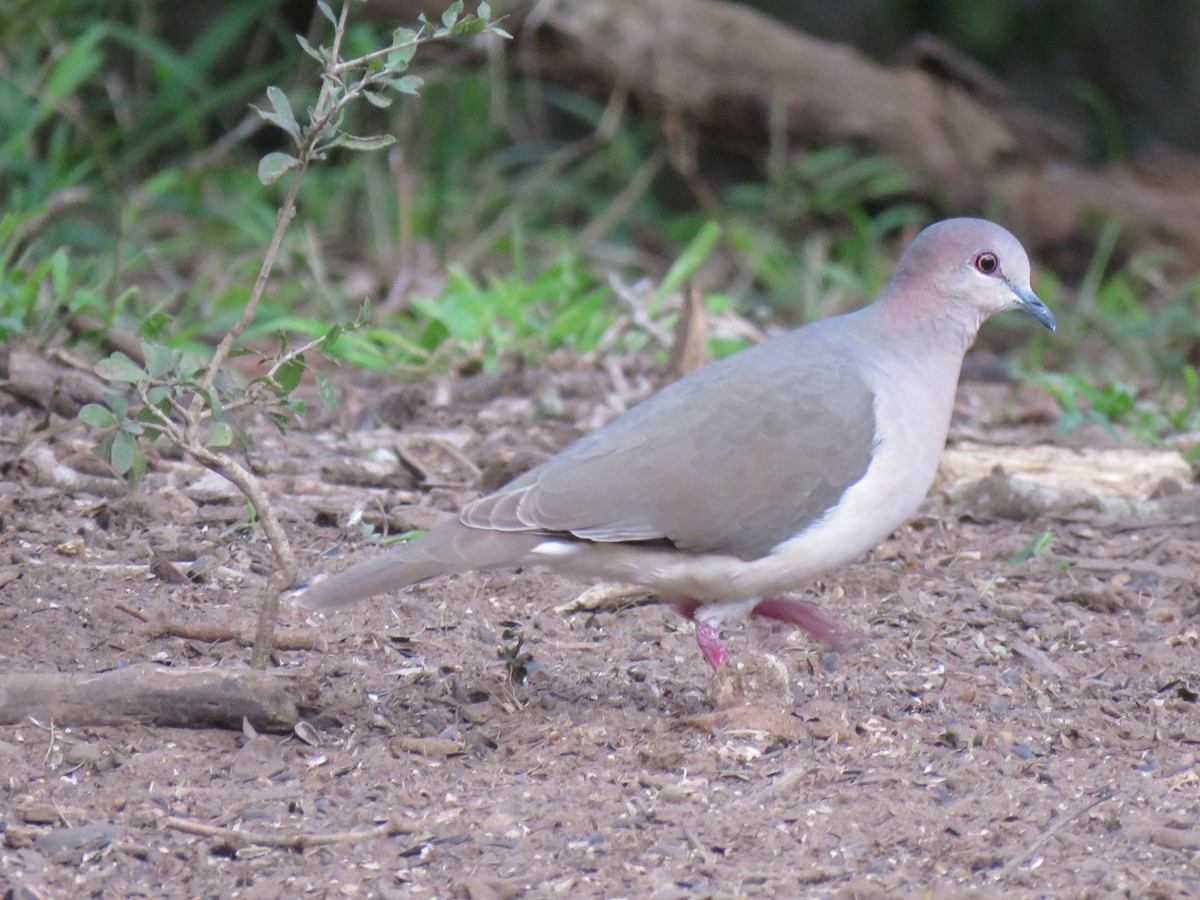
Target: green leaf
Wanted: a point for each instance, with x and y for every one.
(240, 433)
(118, 404)
(138, 469)
(380, 100)
(285, 118)
(151, 425)
(365, 142)
(398, 59)
(88, 300)
(403, 36)
(320, 56)
(1036, 547)
(331, 337)
(692, 257)
(120, 367)
(289, 374)
(97, 416)
(124, 452)
(126, 299)
(327, 12)
(79, 63)
(269, 116)
(60, 272)
(404, 536)
(274, 164)
(450, 16)
(409, 84)
(573, 323)
(215, 406)
(405, 41)
(455, 313)
(468, 24)
(76, 65)
(325, 389)
(154, 324)
(103, 450)
(485, 11)
(364, 314)
(219, 435)
(160, 360)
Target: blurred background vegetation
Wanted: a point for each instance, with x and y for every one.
(512, 211)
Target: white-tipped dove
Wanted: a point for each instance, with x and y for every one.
(755, 473)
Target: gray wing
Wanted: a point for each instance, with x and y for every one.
(741, 455)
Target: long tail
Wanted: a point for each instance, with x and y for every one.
(452, 547)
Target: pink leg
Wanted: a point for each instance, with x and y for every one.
(810, 618)
(708, 637)
(709, 640)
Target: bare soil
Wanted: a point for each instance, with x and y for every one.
(1005, 729)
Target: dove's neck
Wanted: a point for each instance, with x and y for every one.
(911, 362)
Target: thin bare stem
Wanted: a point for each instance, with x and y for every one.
(255, 392)
(417, 41)
(194, 414)
(282, 219)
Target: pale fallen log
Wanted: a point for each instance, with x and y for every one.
(1136, 473)
(1028, 482)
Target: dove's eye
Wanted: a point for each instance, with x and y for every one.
(987, 263)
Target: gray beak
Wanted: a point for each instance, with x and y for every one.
(1032, 304)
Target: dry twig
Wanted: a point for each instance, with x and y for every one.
(208, 633)
(1051, 832)
(292, 841)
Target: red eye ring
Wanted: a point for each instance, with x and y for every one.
(987, 263)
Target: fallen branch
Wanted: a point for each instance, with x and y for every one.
(32, 378)
(738, 77)
(208, 633)
(155, 695)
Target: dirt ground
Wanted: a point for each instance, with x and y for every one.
(1005, 729)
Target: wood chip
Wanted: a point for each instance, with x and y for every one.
(431, 747)
(604, 597)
